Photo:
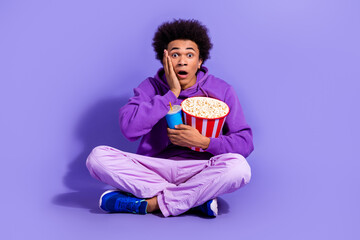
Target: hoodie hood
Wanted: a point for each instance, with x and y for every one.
(195, 90)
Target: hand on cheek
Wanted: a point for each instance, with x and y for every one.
(170, 75)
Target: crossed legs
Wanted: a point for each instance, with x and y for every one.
(174, 185)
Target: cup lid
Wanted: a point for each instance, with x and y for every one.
(175, 109)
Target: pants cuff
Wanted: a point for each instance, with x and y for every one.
(162, 206)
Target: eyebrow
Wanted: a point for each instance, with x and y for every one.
(189, 48)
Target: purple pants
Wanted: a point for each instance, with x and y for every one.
(178, 184)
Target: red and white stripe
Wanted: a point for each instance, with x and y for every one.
(207, 127)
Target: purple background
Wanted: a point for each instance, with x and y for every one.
(68, 66)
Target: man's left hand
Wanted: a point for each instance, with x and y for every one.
(187, 136)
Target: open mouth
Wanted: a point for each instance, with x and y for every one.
(182, 74)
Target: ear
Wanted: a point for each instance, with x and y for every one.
(200, 62)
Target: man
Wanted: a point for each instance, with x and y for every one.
(166, 174)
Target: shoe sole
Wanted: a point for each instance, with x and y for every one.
(214, 207)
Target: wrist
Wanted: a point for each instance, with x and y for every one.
(205, 143)
(176, 93)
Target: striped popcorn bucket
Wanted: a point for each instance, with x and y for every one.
(209, 127)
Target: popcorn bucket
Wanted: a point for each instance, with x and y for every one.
(209, 121)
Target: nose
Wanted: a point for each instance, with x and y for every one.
(182, 61)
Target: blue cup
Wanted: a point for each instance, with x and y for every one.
(173, 117)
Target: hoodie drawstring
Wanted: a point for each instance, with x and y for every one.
(207, 95)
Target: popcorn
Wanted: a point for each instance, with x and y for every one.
(207, 115)
(205, 107)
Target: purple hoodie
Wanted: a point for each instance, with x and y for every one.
(144, 116)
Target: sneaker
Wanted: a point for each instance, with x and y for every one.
(209, 208)
(121, 202)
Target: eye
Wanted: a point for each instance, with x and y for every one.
(175, 55)
(190, 55)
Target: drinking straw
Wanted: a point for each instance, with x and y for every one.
(170, 106)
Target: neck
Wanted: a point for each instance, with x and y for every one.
(189, 84)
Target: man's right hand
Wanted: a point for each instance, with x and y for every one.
(170, 74)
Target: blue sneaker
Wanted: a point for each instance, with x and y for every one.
(121, 202)
(209, 208)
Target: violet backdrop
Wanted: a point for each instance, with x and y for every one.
(68, 66)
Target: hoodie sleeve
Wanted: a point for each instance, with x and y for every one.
(237, 134)
(144, 110)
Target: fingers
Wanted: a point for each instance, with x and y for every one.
(184, 135)
(170, 74)
(178, 128)
(173, 131)
(168, 62)
(183, 127)
(168, 66)
(165, 62)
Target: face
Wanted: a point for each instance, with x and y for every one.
(185, 58)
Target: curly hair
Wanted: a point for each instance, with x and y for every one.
(182, 29)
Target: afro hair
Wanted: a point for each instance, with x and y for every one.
(182, 29)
